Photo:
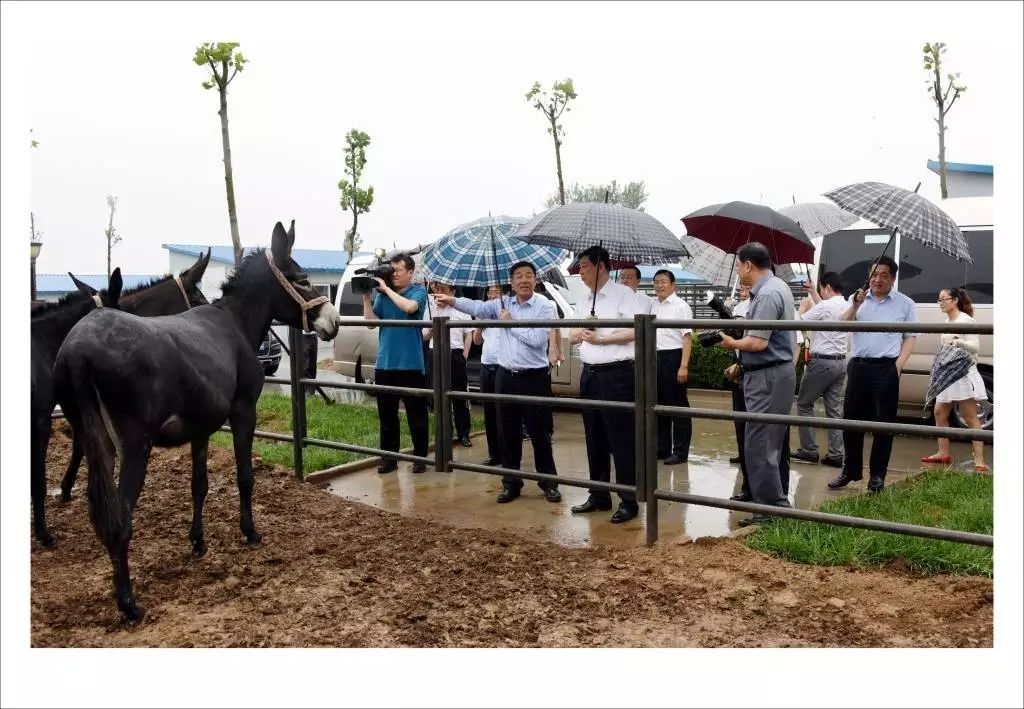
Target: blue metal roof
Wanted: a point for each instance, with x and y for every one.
(61, 283)
(933, 165)
(309, 259)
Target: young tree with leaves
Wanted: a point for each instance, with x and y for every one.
(552, 103)
(933, 65)
(224, 64)
(353, 197)
(113, 238)
(632, 195)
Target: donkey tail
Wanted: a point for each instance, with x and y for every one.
(99, 443)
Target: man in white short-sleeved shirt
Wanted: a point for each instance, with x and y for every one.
(674, 434)
(461, 341)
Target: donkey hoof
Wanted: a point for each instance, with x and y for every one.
(46, 540)
(198, 550)
(65, 497)
(133, 614)
(254, 539)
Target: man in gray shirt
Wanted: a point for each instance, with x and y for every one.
(769, 377)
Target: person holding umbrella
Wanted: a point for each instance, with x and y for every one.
(769, 378)
(873, 375)
(608, 375)
(965, 391)
(523, 370)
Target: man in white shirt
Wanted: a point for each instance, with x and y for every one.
(825, 371)
(488, 379)
(630, 277)
(461, 341)
(674, 434)
(607, 356)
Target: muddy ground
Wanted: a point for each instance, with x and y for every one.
(336, 573)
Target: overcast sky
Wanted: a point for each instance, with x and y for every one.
(701, 115)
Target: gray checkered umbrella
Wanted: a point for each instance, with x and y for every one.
(819, 218)
(627, 234)
(716, 266)
(951, 364)
(896, 208)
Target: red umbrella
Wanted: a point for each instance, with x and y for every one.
(730, 225)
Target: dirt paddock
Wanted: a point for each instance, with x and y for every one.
(340, 574)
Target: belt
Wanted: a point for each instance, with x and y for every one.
(490, 367)
(874, 360)
(764, 365)
(818, 356)
(609, 366)
(525, 372)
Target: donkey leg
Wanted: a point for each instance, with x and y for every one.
(40, 442)
(243, 424)
(200, 486)
(133, 474)
(67, 483)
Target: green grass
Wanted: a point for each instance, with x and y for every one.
(347, 423)
(938, 498)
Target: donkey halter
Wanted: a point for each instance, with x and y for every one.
(188, 303)
(305, 305)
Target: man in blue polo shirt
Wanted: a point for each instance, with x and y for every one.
(873, 375)
(400, 360)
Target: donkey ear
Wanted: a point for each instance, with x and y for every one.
(85, 288)
(114, 288)
(279, 246)
(194, 273)
(291, 236)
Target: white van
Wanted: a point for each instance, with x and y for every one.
(923, 271)
(355, 348)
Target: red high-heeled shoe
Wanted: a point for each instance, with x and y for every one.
(944, 459)
(981, 468)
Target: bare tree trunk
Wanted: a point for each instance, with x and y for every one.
(229, 182)
(942, 133)
(558, 162)
(110, 237)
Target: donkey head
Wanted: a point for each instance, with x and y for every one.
(105, 299)
(190, 279)
(296, 302)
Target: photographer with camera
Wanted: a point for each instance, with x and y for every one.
(769, 378)
(399, 355)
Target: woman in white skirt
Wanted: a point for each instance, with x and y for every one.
(966, 391)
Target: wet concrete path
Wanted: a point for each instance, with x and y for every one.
(464, 499)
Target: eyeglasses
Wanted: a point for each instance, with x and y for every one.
(944, 300)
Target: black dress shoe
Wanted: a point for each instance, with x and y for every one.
(832, 461)
(674, 460)
(490, 461)
(624, 514)
(842, 480)
(592, 505)
(876, 483)
(805, 456)
(508, 494)
(466, 443)
(742, 497)
(756, 519)
(734, 460)
(387, 467)
(419, 467)
(551, 494)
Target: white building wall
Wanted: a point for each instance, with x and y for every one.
(968, 184)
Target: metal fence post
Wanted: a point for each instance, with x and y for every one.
(437, 332)
(651, 442)
(298, 401)
(640, 431)
(443, 418)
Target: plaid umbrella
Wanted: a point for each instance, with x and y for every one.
(896, 208)
(481, 251)
(951, 364)
(628, 235)
(819, 218)
(730, 225)
(716, 266)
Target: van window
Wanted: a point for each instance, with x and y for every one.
(924, 271)
(351, 303)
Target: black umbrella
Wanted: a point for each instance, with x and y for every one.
(730, 225)
(951, 364)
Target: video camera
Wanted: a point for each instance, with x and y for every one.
(710, 338)
(363, 281)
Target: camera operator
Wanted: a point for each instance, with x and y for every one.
(399, 359)
(769, 378)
